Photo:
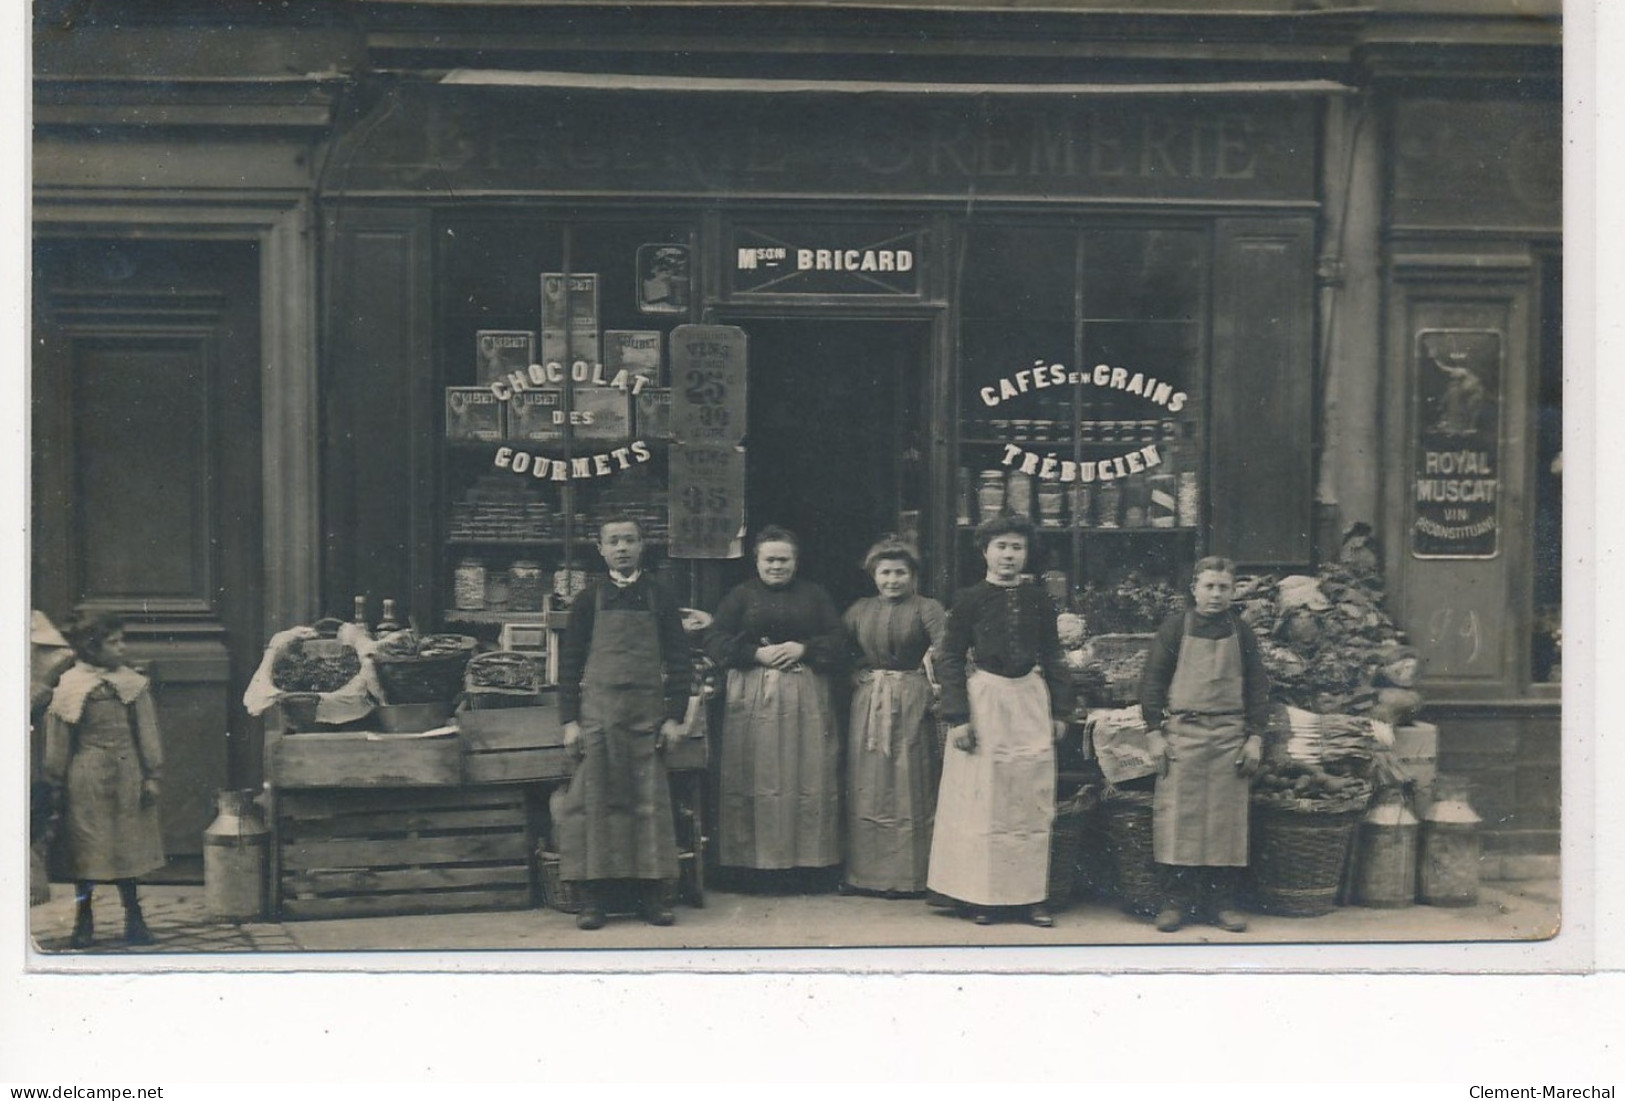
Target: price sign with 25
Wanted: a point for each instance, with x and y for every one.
(708, 384)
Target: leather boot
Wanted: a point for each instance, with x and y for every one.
(135, 926)
(592, 908)
(84, 924)
(655, 910)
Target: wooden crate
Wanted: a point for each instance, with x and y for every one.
(521, 744)
(375, 852)
(513, 744)
(362, 759)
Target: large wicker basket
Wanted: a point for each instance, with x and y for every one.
(1128, 843)
(1298, 859)
(423, 678)
(1066, 846)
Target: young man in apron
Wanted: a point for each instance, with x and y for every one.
(623, 691)
(1205, 699)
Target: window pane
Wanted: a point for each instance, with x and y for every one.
(1020, 272)
(1130, 273)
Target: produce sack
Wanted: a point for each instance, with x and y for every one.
(336, 668)
(1121, 743)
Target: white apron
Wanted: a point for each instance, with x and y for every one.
(996, 805)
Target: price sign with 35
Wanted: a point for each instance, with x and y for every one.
(708, 384)
(707, 501)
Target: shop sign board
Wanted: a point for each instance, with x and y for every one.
(951, 147)
(824, 259)
(1456, 485)
(708, 384)
(707, 501)
(663, 279)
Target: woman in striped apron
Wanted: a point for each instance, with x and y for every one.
(891, 790)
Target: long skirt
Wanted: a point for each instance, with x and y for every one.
(1199, 810)
(997, 804)
(780, 792)
(889, 797)
(614, 820)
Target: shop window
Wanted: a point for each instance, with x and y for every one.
(1546, 643)
(1080, 360)
(511, 535)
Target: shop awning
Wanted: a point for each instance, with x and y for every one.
(633, 82)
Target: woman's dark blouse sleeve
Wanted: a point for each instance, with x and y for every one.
(826, 634)
(731, 645)
(956, 643)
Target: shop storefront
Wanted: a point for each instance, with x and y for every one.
(1162, 316)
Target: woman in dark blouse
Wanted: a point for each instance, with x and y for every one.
(990, 849)
(780, 638)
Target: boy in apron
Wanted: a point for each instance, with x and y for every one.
(623, 691)
(1205, 699)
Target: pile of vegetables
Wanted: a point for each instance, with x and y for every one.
(410, 644)
(1132, 606)
(314, 665)
(1327, 643)
(1317, 788)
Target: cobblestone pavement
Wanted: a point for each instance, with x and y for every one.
(1506, 911)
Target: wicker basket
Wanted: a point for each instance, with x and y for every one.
(1128, 842)
(557, 894)
(561, 894)
(502, 678)
(432, 678)
(1066, 846)
(1298, 859)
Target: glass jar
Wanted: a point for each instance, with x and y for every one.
(1018, 494)
(525, 588)
(468, 585)
(1051, 504)
(989, 494)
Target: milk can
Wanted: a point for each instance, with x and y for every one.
(1387, 853)
(1450, 846)
(234, 858)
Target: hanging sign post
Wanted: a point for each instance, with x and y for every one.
(707, 463)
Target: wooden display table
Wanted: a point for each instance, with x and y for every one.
(367, 823)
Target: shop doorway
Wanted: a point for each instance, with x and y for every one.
(836, 438)
(147, 483)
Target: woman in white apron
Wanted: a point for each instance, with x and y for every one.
(890, 788)
(780, 638)
(1205, 700)
(991, 841)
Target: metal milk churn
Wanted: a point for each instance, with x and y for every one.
(234, 859)
(1387, 853)
(1450, 846)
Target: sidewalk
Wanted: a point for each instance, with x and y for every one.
(1506, 910)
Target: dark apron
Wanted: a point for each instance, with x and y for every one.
(1199, 811)
(614, 821)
